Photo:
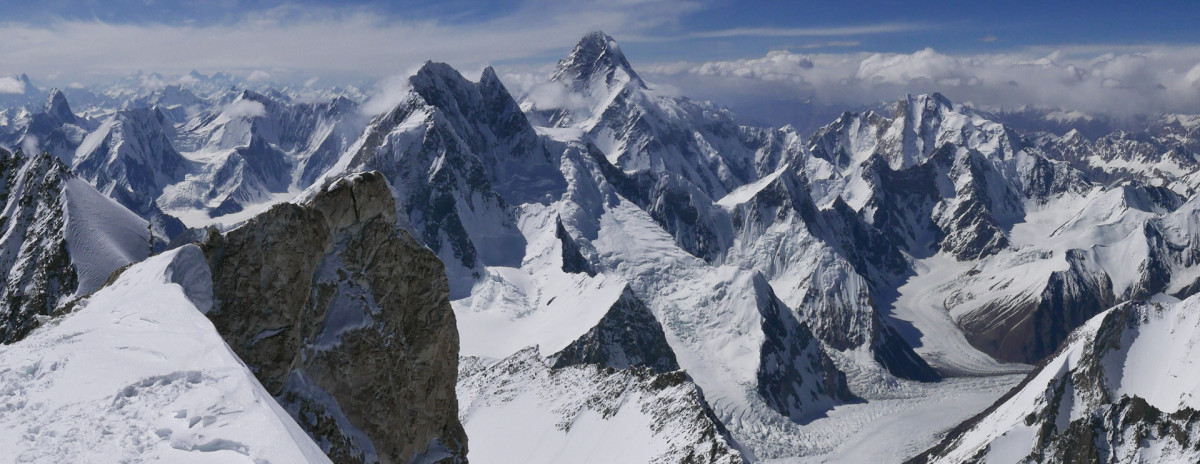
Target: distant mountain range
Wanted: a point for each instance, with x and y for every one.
(617, 275)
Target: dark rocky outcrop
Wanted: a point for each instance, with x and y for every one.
(627, 336)
(573, 259)
(347, 321)
(34, 260)
(1070, 297)
(790, 355)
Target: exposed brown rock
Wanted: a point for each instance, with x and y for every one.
(347, 320)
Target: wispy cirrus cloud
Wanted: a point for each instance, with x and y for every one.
(843, 31)
(324, 40)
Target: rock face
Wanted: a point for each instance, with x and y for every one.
(346, 321)
(1071, 296)
(36, 261)
(627, 336)
(59, 238)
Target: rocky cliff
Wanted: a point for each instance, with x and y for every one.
(346, 321)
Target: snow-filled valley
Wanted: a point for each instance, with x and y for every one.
(222, 271)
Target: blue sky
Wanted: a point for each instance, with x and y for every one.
(1104, 56)
(693, 29)
(719, 29)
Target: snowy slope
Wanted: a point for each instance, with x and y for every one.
(520, 410)
(1122, 390)
(60, 239)
(101, 235)
(138, 374)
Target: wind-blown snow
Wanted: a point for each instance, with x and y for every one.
(138, 374)
(102, 235)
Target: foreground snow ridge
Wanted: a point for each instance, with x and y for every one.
(138, 374)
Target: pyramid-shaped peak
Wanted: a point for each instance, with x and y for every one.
(436, 69)
(596, 40)
(56, 106)
(434, 77)
(597, 55)
(489, 77)
(433, 73)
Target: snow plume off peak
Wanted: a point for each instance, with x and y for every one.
(245, 109)
(11, 85)
(29, 144)
(388, 93)
(555, 95)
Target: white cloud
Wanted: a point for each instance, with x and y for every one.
(553, 96)
(11, 85)
(777, 65)
(899, 69)
(387, 94)
(258, 75)
(323, 41)
(1120, 80)
(29, 145)
(244, 109)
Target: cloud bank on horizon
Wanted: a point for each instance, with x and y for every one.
(1134, 80)
(1115, 60)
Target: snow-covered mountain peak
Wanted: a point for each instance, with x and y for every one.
(928, 103)
(488, 78)
(1073, 137)
(433, 76)
(597, 56)
(57, 107)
